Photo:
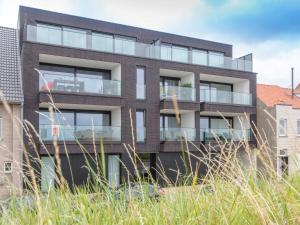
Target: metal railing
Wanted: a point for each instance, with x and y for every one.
(71, 133)
(182, 93)
(177, 134)
(225, 134)
(227, 97)
(107, 43)
(83, 84)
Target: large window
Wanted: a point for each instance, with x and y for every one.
(174, 53)
(282, 127)
(47, 173)
(216, 59)
(49, 34)
(140, 125)
(72, 79)
(166, 52)
(102, 42)
(199, 57)
(168, 121)
(125, 45)
(216, 92)
(74, 37)
(140, 83)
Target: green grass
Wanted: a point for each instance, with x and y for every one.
(224, 202)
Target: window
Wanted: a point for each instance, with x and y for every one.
(199, 57)
(216, 59)
(102, 42)
(140, 83)
(282, 129)
(166, 52)
(74, 37)
(140, 125)
(125, 45)
(298, 127)
(7, 167)
(47, 173)
(113, 171)
(49, 34)
(179, 54)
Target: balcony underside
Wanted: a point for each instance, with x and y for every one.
(226, 108)
(80, 99)
(182, 105)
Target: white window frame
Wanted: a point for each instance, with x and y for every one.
(279, 155)
(285, 128)
(11, 167)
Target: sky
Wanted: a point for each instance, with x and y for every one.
(270, 29)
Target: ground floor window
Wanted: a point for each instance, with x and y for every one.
(47, 173)
(283, 163)
(113, 172)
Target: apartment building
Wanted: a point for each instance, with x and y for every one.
(10, 114)
(278, 121)
(98, 72)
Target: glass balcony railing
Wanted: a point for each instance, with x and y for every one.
(83, 84)
(71, 133)
(226, 97)
(225, 134)
(140, 91)
(182, 93)
(107, 43)
(177, 134)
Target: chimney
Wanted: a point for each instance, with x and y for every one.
(292, 70)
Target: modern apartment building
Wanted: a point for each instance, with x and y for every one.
(10, 114)
(97, 72)
(278, 121)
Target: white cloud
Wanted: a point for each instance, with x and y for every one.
(9, 8)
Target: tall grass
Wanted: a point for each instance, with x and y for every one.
(228, 193)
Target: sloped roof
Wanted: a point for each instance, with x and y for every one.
(10, 75)
(275, 95)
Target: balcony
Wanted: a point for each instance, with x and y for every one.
(85, 84)
(225, 134)
(225, 97)
(177, 134)
(80, 133)
(181, 93)
(78, 38)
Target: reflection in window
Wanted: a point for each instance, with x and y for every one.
(166, 52)
(179, 54)
(199, 57)
(140, 83)
(74, 37)
(140, 125)
(216, 59)
(282, 127)
(124, 45)
(49, 34)
(102, 42)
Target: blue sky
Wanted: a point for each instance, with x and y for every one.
(270, 29)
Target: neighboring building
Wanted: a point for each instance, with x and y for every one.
(97, 71)
(278, 121)
(10, 114)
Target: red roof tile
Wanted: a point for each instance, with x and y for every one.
(274, 95)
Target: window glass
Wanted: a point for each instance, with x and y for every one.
(113, 170)
(140, 83)
(102, 42)
(169, 121)
(49, 34)
(125, 45)
(89, 119)
(92, 81)
(199, 57)
(60, 118)
(216, 123)
(56, 78)
(282, 127)
(140, 125)
(166, 52)
(216, 59)
(47, 173)
(179, 54)
(74, 37)
(298, 127)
